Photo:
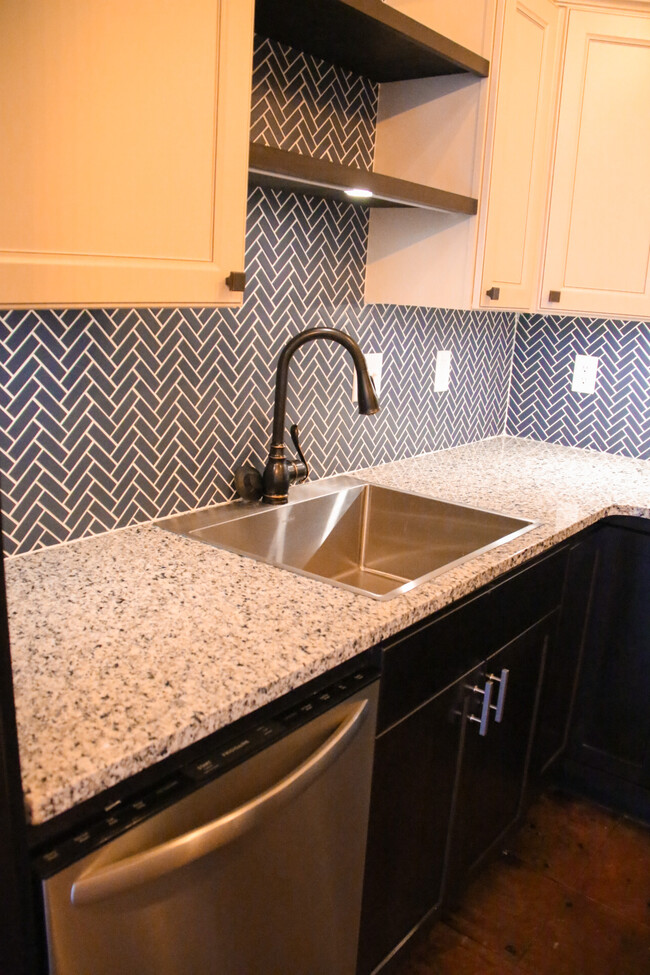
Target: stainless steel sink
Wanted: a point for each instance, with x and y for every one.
(372, 540)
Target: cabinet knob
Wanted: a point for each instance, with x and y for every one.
(236, 280)
(554, 295)
(493, 293)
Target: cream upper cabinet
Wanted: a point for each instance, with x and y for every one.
(518, 161)
(124, 151)
(598, 241)
(558, 157)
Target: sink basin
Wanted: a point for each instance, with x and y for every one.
(372, 540)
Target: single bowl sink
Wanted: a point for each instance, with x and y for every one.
(372, 540)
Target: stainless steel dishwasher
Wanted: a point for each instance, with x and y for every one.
(256, 871)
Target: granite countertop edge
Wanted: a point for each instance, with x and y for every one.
(65, 756)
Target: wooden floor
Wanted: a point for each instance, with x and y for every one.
(570, 897)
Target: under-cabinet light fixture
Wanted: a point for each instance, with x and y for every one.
(358, 193)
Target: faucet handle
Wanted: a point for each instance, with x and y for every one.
(248, 482)
(303, 475)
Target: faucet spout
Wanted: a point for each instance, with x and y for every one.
(280, 473)
(367, 398)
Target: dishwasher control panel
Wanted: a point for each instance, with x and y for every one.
(121, 815)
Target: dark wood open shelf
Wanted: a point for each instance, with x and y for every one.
(279, 169)
(365, 36)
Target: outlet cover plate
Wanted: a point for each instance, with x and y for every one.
(584, 374)
(443, 368)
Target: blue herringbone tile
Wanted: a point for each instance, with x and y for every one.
(302, 104)
(543, 406)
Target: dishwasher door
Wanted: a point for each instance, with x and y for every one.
(259, 872)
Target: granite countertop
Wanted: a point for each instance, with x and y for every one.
(131, 645)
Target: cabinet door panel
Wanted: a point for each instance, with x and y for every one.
(520, 151)
(613, 722)
(564, 654)
(493, 767)
(413, 780)
(598, 245)
(124, 150)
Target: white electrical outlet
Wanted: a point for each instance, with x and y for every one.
(374, 362)
(443, 368)
(584, 374)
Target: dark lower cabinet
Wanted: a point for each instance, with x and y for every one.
(18, 926)
(446, 784)
(570, 634)
(609, 752)
(494, 763)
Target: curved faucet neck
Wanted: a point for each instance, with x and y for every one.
(280, 473)
(282, 374)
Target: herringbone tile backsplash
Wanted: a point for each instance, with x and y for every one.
(114, 417)
(616, 417)
(305, 105)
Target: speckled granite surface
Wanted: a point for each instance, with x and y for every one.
(132, 645)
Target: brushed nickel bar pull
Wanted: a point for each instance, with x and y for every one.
(502, 681)
(485, 710)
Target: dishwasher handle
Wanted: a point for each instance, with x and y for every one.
(160, 860)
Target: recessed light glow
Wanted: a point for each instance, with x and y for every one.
(358, 193)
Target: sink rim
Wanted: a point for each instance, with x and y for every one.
(190, 524)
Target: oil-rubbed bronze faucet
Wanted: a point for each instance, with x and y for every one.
(280, 473)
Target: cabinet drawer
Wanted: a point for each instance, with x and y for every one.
(421, 663)
(525, 597)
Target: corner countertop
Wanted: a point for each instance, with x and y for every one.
(132, 645)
